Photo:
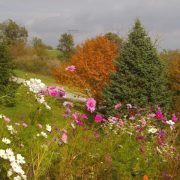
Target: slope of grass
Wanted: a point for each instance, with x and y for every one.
(26, 106)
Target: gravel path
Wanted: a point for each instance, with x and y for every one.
(69, 96)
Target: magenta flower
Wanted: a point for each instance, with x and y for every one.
(117, 106)
(161, 137)
(56, 91)
(159, 115)
(53, 91)
(140, 137)
(71, 68)
(98, 118)
(78, 118)
(174, 118)
(91, 104)
(62, 92)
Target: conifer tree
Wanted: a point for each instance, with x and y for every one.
(140, 78)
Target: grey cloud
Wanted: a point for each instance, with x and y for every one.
(49, 18)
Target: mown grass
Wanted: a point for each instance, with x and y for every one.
(54, 53)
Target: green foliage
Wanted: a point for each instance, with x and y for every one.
(39, 47)
(171, 59)
(7, 88)
(12, 32)
(140, 78)
(113, 37)
(66, 45)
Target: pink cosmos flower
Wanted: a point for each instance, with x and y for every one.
(64, 137)
(132, 117)
(91, 104)
(143, 121)
(174, 118)
(159, 115)
(78, 118)
(151, 115)
(129, 106)
(161, 137)
(6, 119)
(117, 106)
(24, 125)
(56, 91)
(121, 123)
(108, 158)
(98, 118)
(40, 126)
(71, 68)
(52, 90)
(113, 120)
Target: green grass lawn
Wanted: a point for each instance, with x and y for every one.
(54, 53)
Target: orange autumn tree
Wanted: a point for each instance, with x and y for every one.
(94, 61)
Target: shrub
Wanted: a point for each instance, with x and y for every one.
(36, 65)
(171, 59)
(7, 87)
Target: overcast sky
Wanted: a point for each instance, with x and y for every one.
(87, 18)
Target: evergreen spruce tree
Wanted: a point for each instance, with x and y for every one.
(7, 87)
(140, 78)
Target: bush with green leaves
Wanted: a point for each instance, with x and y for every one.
(7, 87)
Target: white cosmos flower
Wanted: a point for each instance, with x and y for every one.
(24, 177)
(170, 122)
(3, 154)
(152, 130)
(47, 106)
(6, 141)
(73, 125)
(48, 127)
(15, 163)
(35, 85)
(17, 178)
(44, 134)
(11, 129)
(10, 173)
(10, 155)
(17, 168)
(20, 159)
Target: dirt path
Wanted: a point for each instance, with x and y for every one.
(69, 96)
